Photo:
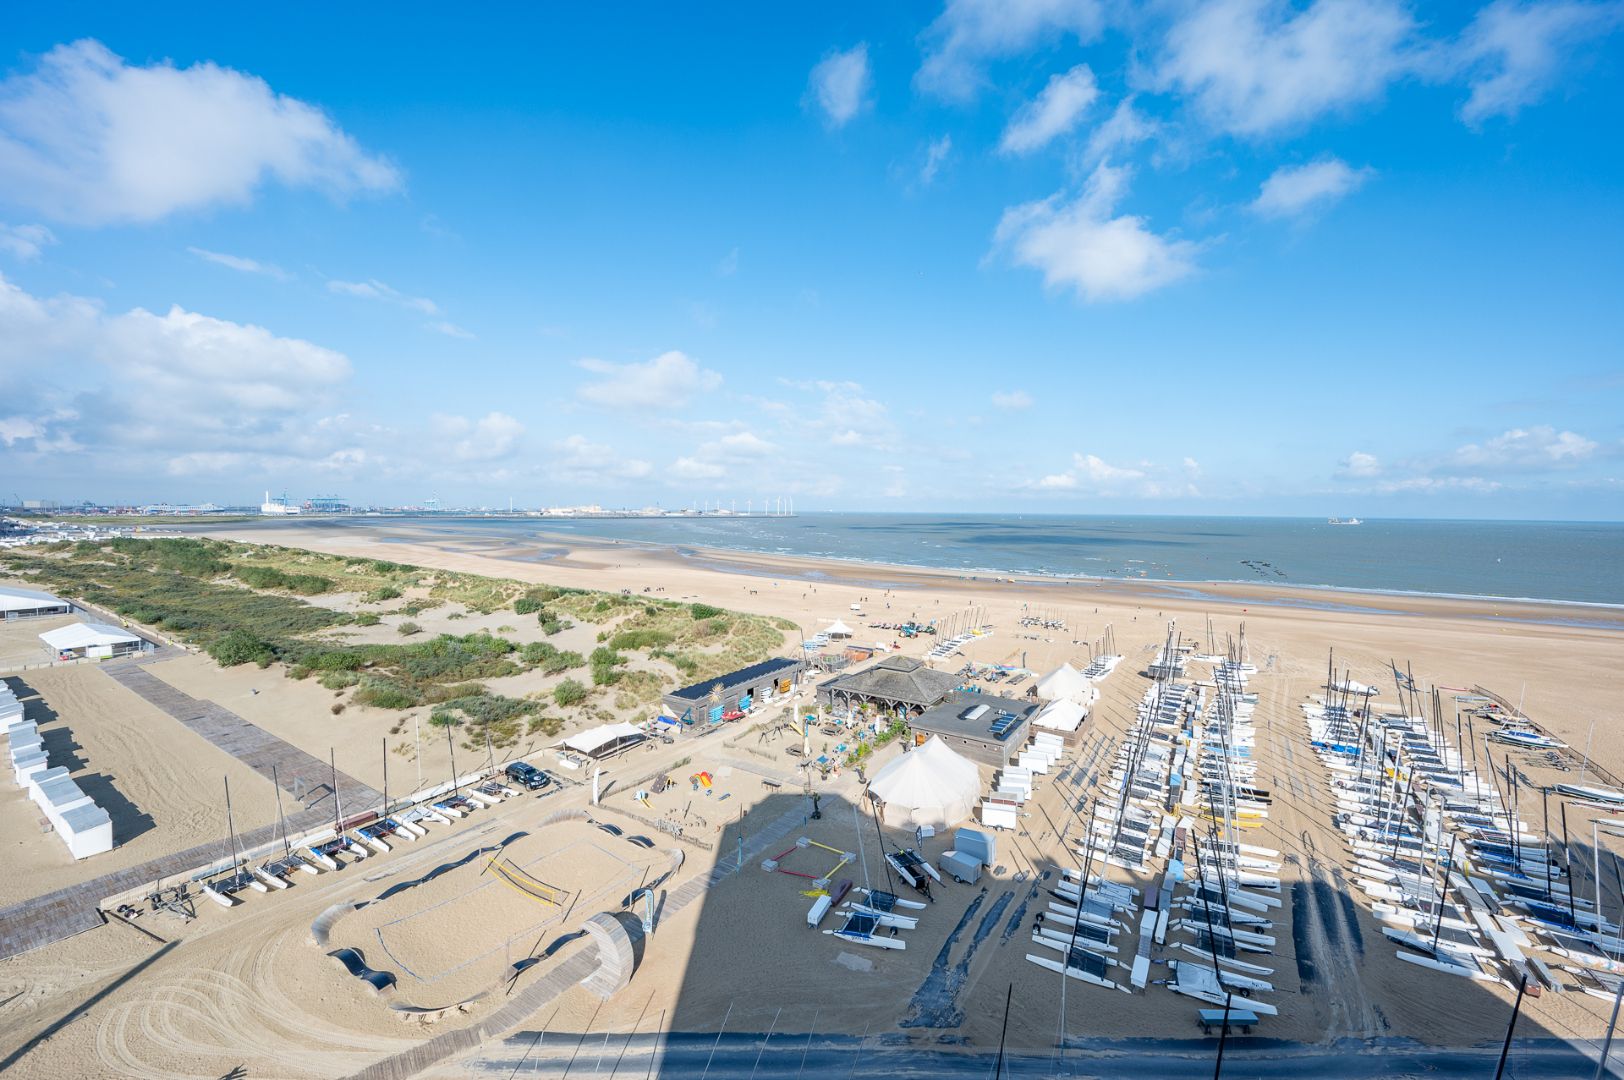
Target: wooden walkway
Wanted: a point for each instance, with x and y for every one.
(299, 772)
(53, 916)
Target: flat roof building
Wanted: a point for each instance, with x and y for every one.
(18, 603)
(736, 692)
(986, 728)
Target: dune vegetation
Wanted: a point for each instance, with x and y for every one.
(248, 604)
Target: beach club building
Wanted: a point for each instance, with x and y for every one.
(18, 603)
(986, 728)
(897, 685)
(729, 696)
(95, 641)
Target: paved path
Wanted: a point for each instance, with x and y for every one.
(53, 916)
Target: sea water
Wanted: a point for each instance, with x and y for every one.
(1580, 562)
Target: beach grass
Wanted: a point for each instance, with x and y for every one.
(245, 604)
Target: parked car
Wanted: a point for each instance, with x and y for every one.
(527, 775)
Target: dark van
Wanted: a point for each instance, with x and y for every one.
(527, 775)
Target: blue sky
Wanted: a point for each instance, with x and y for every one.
(1347, 256)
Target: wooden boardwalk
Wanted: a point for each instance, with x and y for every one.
(255, 747)
(53, 916)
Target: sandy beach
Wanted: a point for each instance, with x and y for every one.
(248, 987)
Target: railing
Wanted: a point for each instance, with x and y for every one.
(1589, 766)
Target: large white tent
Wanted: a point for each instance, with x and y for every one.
(1063, 715)
(16, 603)
(931, 785)
(838, 629)
(1065, 681)
(92, 639)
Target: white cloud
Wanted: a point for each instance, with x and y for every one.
(1258, 66)
(743, 444)
(1514, 51)
(494, 435)
(1293, 190)
(840, 85)
(451, 329)
(25, 241)
(687, 468)
(1433, 484)
(1535, 448)
(151, 384)
(935, 157)
(1080, 245)
(969, 33)
(843, 415)
(1092, 475)
(729, 264)
(1126, 127)
(1012, 399)
(1100, 471)
(578, 460)
(240, 264)
(373, 289)
(89, 139)
(1056, 111)
(668, 381)
(1360, 465)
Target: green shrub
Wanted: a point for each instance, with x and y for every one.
(526, 605)
(704, 611)
(367, 618)
(569, 692)
(382, 593)
(407, 629)
(381, 694)
(240, 647)
(549, 659)
(641, 639)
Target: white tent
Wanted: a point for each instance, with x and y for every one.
(96, 639)
(18, 603)
(931, 785)
(1062, 715)
(597, 741)
(1064, 681)
(838, 629)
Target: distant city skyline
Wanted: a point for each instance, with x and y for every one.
(1328, 258)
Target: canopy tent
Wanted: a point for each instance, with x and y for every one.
(1065, 681)
(598, 741)
(1062, 715)
(89, 636)
(838, 629)
(932, 785)
(16, 603)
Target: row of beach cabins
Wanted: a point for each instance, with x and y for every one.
(86, 829)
